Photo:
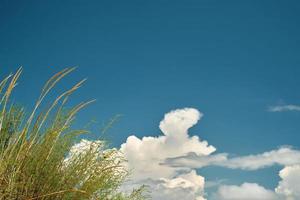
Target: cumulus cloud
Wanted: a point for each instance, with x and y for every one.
(167, 164)
(289, 186)
(286, 156)
(83, 147)
(145, 156)
(283, 156)
(246, 191)
(185, 186)
(282, 108)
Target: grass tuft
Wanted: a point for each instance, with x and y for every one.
(39, 158)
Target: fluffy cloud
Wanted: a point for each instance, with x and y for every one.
(283, 108)
(185, 186)
(246, 191)
(287, 189)
(289, 186)
(146, 155)
(283, 156)
(83, 147)
(166, 164)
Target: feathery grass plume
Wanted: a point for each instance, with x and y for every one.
(38, 158)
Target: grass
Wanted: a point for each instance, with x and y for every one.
(38, 159)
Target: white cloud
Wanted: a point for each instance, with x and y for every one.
(246, 191)
(146, 155)
(83, 147)
(287, 189)
(192, 160)
(282, 108)
(166, 164)
(185, 186)
(214, 183)
(289, 186)
(283, 156)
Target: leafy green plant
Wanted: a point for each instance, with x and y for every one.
(37, 155)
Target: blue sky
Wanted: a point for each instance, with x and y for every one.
(230, 60)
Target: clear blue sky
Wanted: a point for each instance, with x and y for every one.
(229, 59)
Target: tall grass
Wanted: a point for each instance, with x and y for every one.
(37, 160)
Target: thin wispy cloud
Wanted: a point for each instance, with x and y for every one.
(283, 156)
(284, 108)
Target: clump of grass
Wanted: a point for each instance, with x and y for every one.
(37, 156)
